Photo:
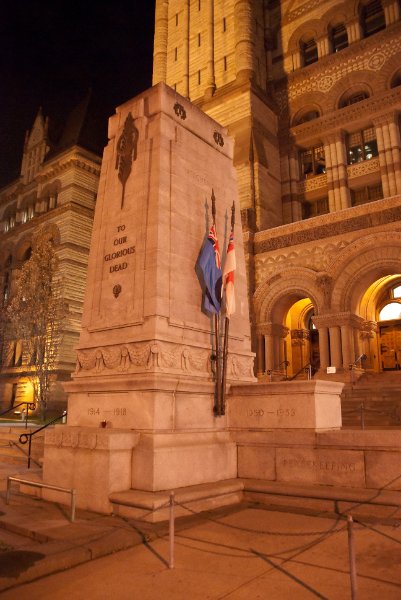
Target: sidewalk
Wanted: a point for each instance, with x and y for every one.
(239, 553)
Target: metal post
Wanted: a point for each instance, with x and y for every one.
(26, 415)
(73, 492)
(352, 564)
(8, 490)
(171, 532)
(362, 416)
(29, 450)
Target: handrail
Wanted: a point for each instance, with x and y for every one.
(27, 437)
(360, 358)
(270, 372)
(306, 369)
(28, 406)
(46, 486)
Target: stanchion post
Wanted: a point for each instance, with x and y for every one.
(171, 532)
(352, 564)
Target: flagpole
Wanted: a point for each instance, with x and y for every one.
(217, 407)
(226, 328)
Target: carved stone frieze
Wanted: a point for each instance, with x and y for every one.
(314, 183)
(363, 168)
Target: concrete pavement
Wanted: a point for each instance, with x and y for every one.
(238, 553)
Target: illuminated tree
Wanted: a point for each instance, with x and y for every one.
(35, 315)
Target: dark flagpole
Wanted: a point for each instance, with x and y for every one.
(217, 406)
(225, 347)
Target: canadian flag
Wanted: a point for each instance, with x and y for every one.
(228, 277)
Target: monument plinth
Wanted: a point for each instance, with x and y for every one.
(144, 360)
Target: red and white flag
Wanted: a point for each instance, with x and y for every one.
(228, 277)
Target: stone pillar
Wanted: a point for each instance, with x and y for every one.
(160, 44)
(346, 346)
(391, 11)
(210, 78)
(323, 48)
(261, 354)
(185, 58)
(324, 347)
(335, 347)
(336, 169)
(353, 30)
(244, 40)
(388, 143)
(269, 352)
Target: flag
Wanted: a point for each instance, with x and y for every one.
(228, 277)
(209, 262)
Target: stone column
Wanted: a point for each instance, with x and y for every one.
(269, 352)
(210, 78)
(244, 40)
(160, 44)
(353, 30)
(261, 354)
(388, 143)
(323, 48)
(347, 346)
(335, 347)
(336, 169)
(391, 11)
(324, 347)
(395, 142)
(185, 58)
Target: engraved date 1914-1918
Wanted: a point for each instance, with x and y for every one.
(117, 412)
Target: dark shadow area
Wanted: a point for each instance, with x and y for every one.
(15, 562)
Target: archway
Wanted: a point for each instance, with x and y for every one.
(302, 341)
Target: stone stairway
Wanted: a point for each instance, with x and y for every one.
(380, 396)
(13, 452)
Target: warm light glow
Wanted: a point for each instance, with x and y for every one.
(390, 311)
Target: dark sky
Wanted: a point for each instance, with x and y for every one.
(52, 52)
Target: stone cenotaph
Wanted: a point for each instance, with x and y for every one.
(140, 403)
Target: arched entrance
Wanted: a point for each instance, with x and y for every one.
(302, 341)
(389, 326)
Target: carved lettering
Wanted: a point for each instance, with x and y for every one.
(119, 267)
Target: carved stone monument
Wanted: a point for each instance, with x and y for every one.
(140, 405)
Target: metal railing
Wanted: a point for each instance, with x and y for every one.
(38, 484)
(308, 369)
(277, 368)
(28, 406)
(27, 437)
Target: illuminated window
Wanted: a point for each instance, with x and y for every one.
(396, 292)
(390, 311)
(362, 145)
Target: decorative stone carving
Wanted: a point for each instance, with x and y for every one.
(363, 168)
(180, 111)
(314, 183)
(126, 152)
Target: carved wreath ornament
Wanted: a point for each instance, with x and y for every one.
(126, 152)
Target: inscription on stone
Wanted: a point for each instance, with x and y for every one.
(119, 240)
(320, 465)
(280, 412)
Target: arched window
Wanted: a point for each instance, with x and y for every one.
(396, 80)
(308, 116)
(372, 17)
(347, 100)
(338, 38)
(308, 50)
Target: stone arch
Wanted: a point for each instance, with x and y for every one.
(5, 252)
(21, 248)
(274, 296)
(366, 81)
(310, 29)
(391, 69)
(308, 101)
(337, 15)
(360, 264)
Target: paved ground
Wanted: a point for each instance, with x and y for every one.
(241, 553)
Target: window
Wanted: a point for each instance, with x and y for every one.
(366, 194)
(309, 52)
(224, 24)
(199, 39)
(225, 63)
(309, 116)
(338, 38)
(372, 18)
(175, 54)
(199, 77)
(396, 80)
(362, 145)
(316, 208)
(390, 311)
(312, 162)
(176, 19)
(353, 99)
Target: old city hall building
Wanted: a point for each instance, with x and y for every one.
(311, 92)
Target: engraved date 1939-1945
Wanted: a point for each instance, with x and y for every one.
(279, 412)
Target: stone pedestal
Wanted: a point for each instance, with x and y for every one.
(306, 405)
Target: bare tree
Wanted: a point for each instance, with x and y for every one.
(35, 317)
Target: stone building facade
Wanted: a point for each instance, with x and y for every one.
(311, 92)
(54, 195)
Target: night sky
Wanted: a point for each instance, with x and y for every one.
(51, 53)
